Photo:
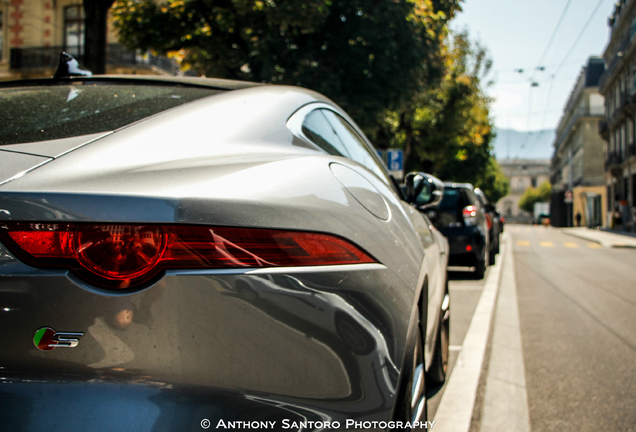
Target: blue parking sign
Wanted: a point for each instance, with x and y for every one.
(395, 160)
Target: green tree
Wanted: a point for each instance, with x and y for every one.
(493, 181)
(366, 55)
(447, 130)
(535, 195)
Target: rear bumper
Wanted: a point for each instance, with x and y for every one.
(467, 245)
(100, 405)
(318, 345)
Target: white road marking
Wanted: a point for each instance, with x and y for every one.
(467, 288)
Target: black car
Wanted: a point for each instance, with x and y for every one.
(495, 225)
(460, 216)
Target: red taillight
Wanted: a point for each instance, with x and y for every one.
(488, 221)
(470, 215)
(125, 255)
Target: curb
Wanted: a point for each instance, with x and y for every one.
(608, 240)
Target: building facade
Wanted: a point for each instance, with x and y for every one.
(33, 33)
(618, 86)
(578, 161)
(522, 174)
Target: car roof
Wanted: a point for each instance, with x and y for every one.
(458, 185)
(203, 82)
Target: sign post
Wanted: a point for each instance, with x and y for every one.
(395, 163)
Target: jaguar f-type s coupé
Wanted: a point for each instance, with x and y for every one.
(183, 253)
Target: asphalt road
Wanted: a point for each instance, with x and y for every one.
(560, 349)
(577, 311)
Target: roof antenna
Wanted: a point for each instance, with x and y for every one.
(69, 67)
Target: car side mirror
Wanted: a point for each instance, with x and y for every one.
(422, 190)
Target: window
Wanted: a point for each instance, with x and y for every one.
(74, 30)
(355, 145)
(82, 109)
(318, 129)
(337, 137)
(533, 182)
(1, 35)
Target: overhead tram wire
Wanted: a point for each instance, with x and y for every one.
(554, 32)
(576, 41)
(589, 20)
(578, 38)
(545, 51)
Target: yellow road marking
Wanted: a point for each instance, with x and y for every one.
(570, 245)
(546, 244)
(594, 246)
(523, 243)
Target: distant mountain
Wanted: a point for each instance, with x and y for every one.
(512, 144)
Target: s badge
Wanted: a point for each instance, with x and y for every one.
(46, 339)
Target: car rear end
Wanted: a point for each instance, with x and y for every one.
(171, 291)
(461, 221)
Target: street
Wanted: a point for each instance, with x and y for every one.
(561, 350)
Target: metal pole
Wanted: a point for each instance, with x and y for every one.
(571, 188)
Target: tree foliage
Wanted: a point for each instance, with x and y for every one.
(535, 195)
(447, 130)
(390, 63)
(365, 54)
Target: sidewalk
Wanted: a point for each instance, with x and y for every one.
(607, 238)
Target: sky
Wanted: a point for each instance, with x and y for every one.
(531, 34)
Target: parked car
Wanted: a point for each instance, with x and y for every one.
(460, 217)
(495, 225)
(186, 249)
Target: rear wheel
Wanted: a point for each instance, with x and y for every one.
(415, 401)
(492, 254)
(439, 366)
(480, 269)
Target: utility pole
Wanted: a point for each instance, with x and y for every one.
(570, 188)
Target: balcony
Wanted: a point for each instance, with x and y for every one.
(47, 58)
(613, 161)
(627, 105)
(603, 130)
(563, 133)
(611, 69)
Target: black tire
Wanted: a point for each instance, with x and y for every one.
(492, 255)
(439, 366)
(480, 269)
(415, 408)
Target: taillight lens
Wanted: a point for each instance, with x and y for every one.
(470, 215)
(488, 221)
(126, 255)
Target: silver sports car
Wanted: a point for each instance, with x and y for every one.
(188, 253)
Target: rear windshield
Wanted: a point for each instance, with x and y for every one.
(452, 200)
(32, 114)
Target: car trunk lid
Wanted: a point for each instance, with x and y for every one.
(18, 159)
